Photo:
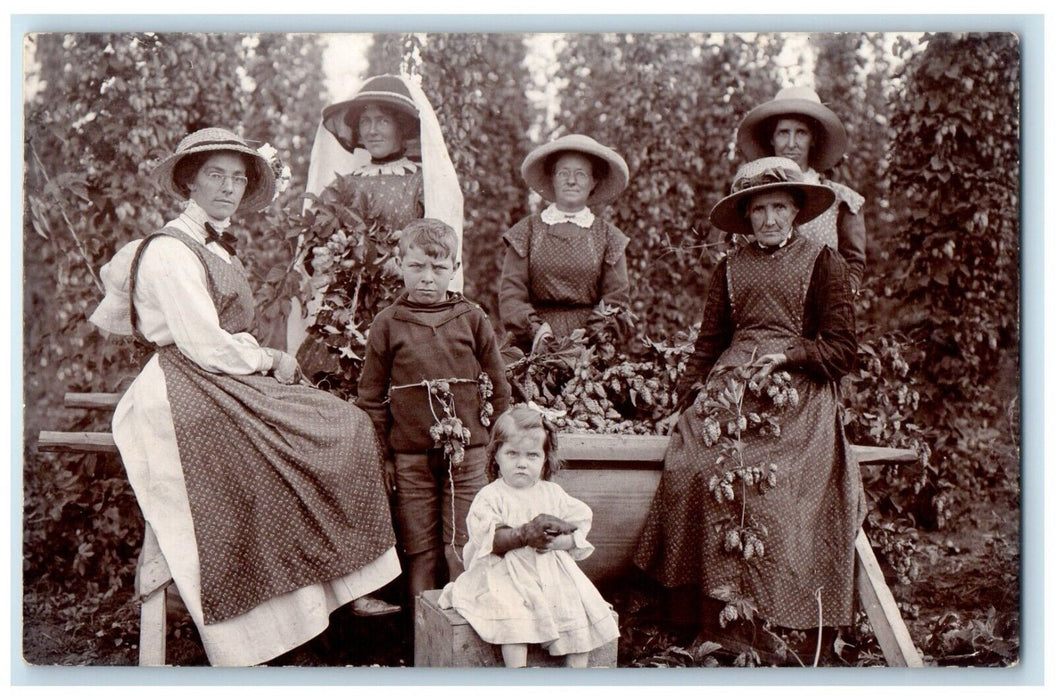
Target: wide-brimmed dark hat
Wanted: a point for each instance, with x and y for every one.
(766, 175)
(342, 119)
(261, 189)
(607, 188)
(754, 136)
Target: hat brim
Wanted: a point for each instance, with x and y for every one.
(253, 200)
(533, 169)
(754, 135)
(342, 119)
(728, 216)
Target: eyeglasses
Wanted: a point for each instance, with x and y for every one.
(580, 176)
(217, 179)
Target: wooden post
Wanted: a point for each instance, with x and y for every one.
(152, 579)
(879, 604)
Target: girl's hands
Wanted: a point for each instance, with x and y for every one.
(557, 533)
(544, 533)
(557, 543)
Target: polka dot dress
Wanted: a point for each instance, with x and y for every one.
(284, 481)
(395, 199)
(566, 265)
(825, 228)
(809, 520)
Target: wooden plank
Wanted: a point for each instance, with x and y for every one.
(55, 441)
(646, 451)
(152, 571)
(93, 400)
(612, 448)
(871, 454)
(882, 610)
(152, 630)
(152, 581)
(620, 499)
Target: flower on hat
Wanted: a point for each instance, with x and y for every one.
(282, 173)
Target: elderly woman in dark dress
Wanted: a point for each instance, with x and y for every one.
(563, 263)
(781, 303)
(265, 495)
(796, 125)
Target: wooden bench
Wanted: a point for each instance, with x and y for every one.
(616, 474)
(153, 577)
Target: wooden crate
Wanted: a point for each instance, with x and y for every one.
(443, 639)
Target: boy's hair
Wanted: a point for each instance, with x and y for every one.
(518, 419)
(435, 238)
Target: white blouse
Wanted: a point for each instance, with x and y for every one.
(173, 305)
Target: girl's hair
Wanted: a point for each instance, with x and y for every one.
(434, 237)
(187, 168)
(515, 421)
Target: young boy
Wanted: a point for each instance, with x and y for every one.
(429, 334)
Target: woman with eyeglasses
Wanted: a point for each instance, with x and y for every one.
(565, 265)
(265, 495)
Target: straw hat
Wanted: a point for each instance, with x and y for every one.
(766, 175)
(261, 189)
(607, 188)
(754, 136)
(342, 119)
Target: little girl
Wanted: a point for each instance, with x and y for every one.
(521, 584)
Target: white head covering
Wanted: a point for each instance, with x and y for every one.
(443, 195)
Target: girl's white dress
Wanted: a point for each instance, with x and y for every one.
(528, 596)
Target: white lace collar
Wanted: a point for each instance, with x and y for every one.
(194, 219)
(403, 166)
(582, 218)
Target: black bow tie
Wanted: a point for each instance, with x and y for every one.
(226, 240)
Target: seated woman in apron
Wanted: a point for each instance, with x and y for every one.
(266, 496)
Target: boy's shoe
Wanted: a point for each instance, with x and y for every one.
(369, 606)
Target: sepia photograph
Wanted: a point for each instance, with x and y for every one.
(587, 349)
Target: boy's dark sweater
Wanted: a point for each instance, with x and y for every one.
(409, 342)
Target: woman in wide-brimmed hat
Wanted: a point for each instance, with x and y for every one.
(563, 263)
(384, 143)
(797, 125)
(782, 527)
(265, 495)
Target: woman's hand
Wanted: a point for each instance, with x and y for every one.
(284, 367)
(388, 476)
(768, 363)
(666, 425)
(542, 338)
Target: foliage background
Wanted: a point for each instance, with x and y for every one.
(933, 123)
